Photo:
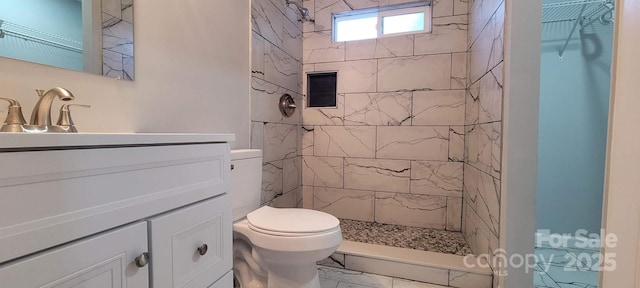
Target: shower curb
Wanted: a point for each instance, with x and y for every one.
(424, 266)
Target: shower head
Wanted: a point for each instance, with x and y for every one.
(304, 12)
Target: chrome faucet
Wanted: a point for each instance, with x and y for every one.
(41, 115)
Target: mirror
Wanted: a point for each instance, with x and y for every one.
(94, 36)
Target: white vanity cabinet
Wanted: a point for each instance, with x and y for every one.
(82, 211)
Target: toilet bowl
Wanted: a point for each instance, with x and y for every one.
(275, 247)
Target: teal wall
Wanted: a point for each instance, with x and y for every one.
(58, 17)
(574, 106)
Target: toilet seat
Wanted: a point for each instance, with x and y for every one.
(290, 229)
(291, 222)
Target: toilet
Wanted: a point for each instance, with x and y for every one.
(275, 247)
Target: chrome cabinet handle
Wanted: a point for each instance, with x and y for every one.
(142, 260)
(203, 249)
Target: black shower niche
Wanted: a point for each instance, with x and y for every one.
(321, 89)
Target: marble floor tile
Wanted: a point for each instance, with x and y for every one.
(341, 278)
(557, 271)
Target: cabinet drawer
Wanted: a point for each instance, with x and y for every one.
(105, 260)
(53, 197)
(176, 237)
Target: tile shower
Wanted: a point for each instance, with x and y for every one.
(415, 138)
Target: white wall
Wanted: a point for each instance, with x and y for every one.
(192, 74)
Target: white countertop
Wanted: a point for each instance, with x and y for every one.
(16, 141)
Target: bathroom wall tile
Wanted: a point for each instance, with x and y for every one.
(292, 39)
(289, 199)
(460, 7)
(324, 9)
(292, 173)
(377, 174)
(128, 68)
(470, 186)
(293, 15)
(496, 150)
(412, 73)
(362, 4)
(472, 104)
(344, 203)
(350, 276)
(281, 69)
(449, 34)
(480, 13)
(112, 7)
(324, 116)
(322, 171)
(437, 178)
(353, 76)
(383, 3)
(306, 140)
(486, 191)
(411, 210)
(403, 283)
(459, 71)
(308, 26)
(469, 280)
(271, 181)
(264, 99)
(380, 48)
(280, 4)
(112, 64)
(387, 109)
(344, 141)
(118, 38)
(401, 270)
(257, 55)
(478, 147)
(318, 48)
(490, 96)
(438, 107)
(414, 143)
(307, 197)
(454, 214)
(442, 8)
(267, 20)
(257, 135)
(487, 51)
(456, 143)
(475, 231)
(280, 141)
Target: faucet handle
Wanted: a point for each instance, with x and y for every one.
(64, 120)
(40, 92)
(15, 119)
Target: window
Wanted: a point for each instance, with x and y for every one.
(382, 22)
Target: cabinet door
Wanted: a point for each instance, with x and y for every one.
(224, 282)
(102, 261)
(177, 236)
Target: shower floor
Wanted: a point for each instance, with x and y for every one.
(425, 239)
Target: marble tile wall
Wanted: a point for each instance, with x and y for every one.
(483, 126)
(392, 150)
(276, 69)
(117, 39)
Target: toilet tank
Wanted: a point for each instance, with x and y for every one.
(246, 181)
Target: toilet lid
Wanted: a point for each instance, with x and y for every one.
(292, 220)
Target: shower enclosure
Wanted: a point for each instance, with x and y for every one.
(576, 59)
